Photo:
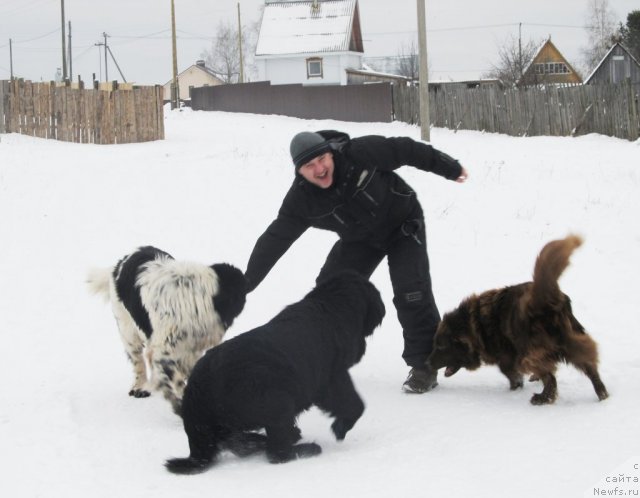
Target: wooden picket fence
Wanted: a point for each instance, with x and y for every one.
(108, 114)
(533, 111)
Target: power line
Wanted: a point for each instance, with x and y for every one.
(475, 27)
(25, 6)
(148, 36)
(57, 30)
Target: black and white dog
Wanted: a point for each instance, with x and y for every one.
(170, 312)
(264, 378)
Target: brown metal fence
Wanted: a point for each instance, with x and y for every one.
(360, 103)
(98, 115)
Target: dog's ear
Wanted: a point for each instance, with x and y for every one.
(232, 292)
(375, 309)
(453, 331)
(466, 343)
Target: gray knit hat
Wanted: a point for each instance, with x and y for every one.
(306, 146)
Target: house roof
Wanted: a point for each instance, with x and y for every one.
(200, 65)
(535, 59)
(536, 55)
(297, 27)
(367, 71)
(617, 44)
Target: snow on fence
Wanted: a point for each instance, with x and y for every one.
(532, 111)
(106, 114)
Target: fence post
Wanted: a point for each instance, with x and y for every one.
(13, 125)
(4, 87)
(633, 111)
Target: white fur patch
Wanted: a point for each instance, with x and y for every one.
(178, 297)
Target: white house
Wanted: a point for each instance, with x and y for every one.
(312, 42)
(196, 75)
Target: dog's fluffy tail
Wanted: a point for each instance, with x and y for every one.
(98, 281)
(551, 262)
(187, 465)
(242, 444)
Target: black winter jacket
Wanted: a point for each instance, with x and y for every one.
(367, 202)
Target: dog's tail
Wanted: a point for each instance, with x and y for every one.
(551, 262)
(187, 466)
(242, 444)
(98, 280)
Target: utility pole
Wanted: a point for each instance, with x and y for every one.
(520, 68)
(175, 88)
(424, 72)
(106, 48)
(70, 54)
(99, 61)
(64, 49)
(241, 77)
(117, 66)
(10, 59)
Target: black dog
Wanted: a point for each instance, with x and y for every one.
(266, 377)
(171, 311)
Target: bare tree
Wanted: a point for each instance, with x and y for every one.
(223, 58)
(408, 62)
(601, 32)
(513, 59)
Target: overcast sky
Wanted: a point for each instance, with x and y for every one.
(463, 36)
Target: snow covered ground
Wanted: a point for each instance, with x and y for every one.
(68, 428)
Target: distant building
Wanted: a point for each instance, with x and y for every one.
(616, 66)
(195, 76)
(549, 67)
(312, 42)
(367, 75)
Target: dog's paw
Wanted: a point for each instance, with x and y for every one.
(339, 428)
(139, 393)
(516, 383)
(542, 399)
(306, 450)
(602, 394)
(302, 450)
(176, 406)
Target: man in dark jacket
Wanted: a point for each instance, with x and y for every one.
(349, 186)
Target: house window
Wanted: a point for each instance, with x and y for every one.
(314, 68)
(552, 68)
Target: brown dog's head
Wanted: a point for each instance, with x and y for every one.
(455, 345)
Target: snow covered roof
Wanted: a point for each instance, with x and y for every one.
(302, 27)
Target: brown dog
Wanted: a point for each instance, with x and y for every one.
(525, 328)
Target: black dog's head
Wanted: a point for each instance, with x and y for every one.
(232, 293)
(357, 304)
(354, 290)
(455, 345)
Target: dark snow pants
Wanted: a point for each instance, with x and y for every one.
(406, 253)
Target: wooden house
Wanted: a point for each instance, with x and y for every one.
(616, 66)
(549, 67)
(311, 42)
(195, 76)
